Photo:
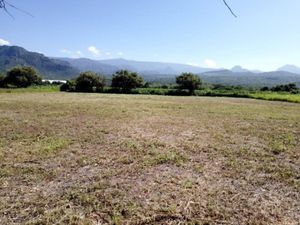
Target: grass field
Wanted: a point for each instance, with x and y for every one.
(271, 96)
(68, 158)
(32, 89)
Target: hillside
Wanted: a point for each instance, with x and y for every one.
(251, 79)
(84, 64)
(109, 66)
(11, 56)
(290, 68)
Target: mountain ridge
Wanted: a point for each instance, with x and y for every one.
(67, 68)
(11, 56)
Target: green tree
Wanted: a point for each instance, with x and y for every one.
(189, 81)
(291, 87)
(2, 78)
(69, 86)
(89, 82)
(125, 81)
(22, 77)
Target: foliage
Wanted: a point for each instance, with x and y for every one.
(285, 88)
(22, 77)
(32, 89)
(86, 82)
(69, 86)
(189, 81)
(125, 81)
(2, 78)
(89, 82)
(275, 96)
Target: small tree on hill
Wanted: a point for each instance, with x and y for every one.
(22, 77)
(89, 82)
(125, 81)
(189, 81)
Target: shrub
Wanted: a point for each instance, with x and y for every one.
(22, 77)
(2, 78)
(292, 87)
(89, 82)
(265, 89)
(189, 81)
(125, 81)
(69, 86)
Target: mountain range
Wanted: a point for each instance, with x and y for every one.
(66, 68)
(11, 56)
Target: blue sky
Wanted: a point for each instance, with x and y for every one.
(266, 34)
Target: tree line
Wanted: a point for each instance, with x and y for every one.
(124, 81)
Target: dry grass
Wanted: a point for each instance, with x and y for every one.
(119, 159)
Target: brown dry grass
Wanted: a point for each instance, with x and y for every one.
(121, 159)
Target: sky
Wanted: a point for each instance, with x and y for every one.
(265, 35)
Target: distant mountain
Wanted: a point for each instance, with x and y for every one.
(251, 79)
(110, 66)
(11, 56)
(290, 68)
(154, 67)
(66, 68)
(239, 69)
(84, 64)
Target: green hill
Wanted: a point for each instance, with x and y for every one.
(11, 56)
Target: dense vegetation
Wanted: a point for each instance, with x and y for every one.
(128, 82)
(86, 82)
(188, 81)
(125, 81)
(20, 77)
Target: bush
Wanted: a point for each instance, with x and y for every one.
(189, 82)
(125, 81)
(89, 82)
(22, 77)
(2, 78)
(292, 87)
(265, 89)
(69, 86)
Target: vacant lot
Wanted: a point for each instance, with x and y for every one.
(124, 159)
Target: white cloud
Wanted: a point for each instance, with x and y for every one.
(108, 53)
(210, 63)
(4, 42)
(120, 53)
(94, 50)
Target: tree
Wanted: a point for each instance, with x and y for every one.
(125, 81)
(69, 86)
(189, 81)
(292, 87)
(89, 82)
(22, 77)
(2, 78)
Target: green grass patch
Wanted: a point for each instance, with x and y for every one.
(34, 89)
(276, 96)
